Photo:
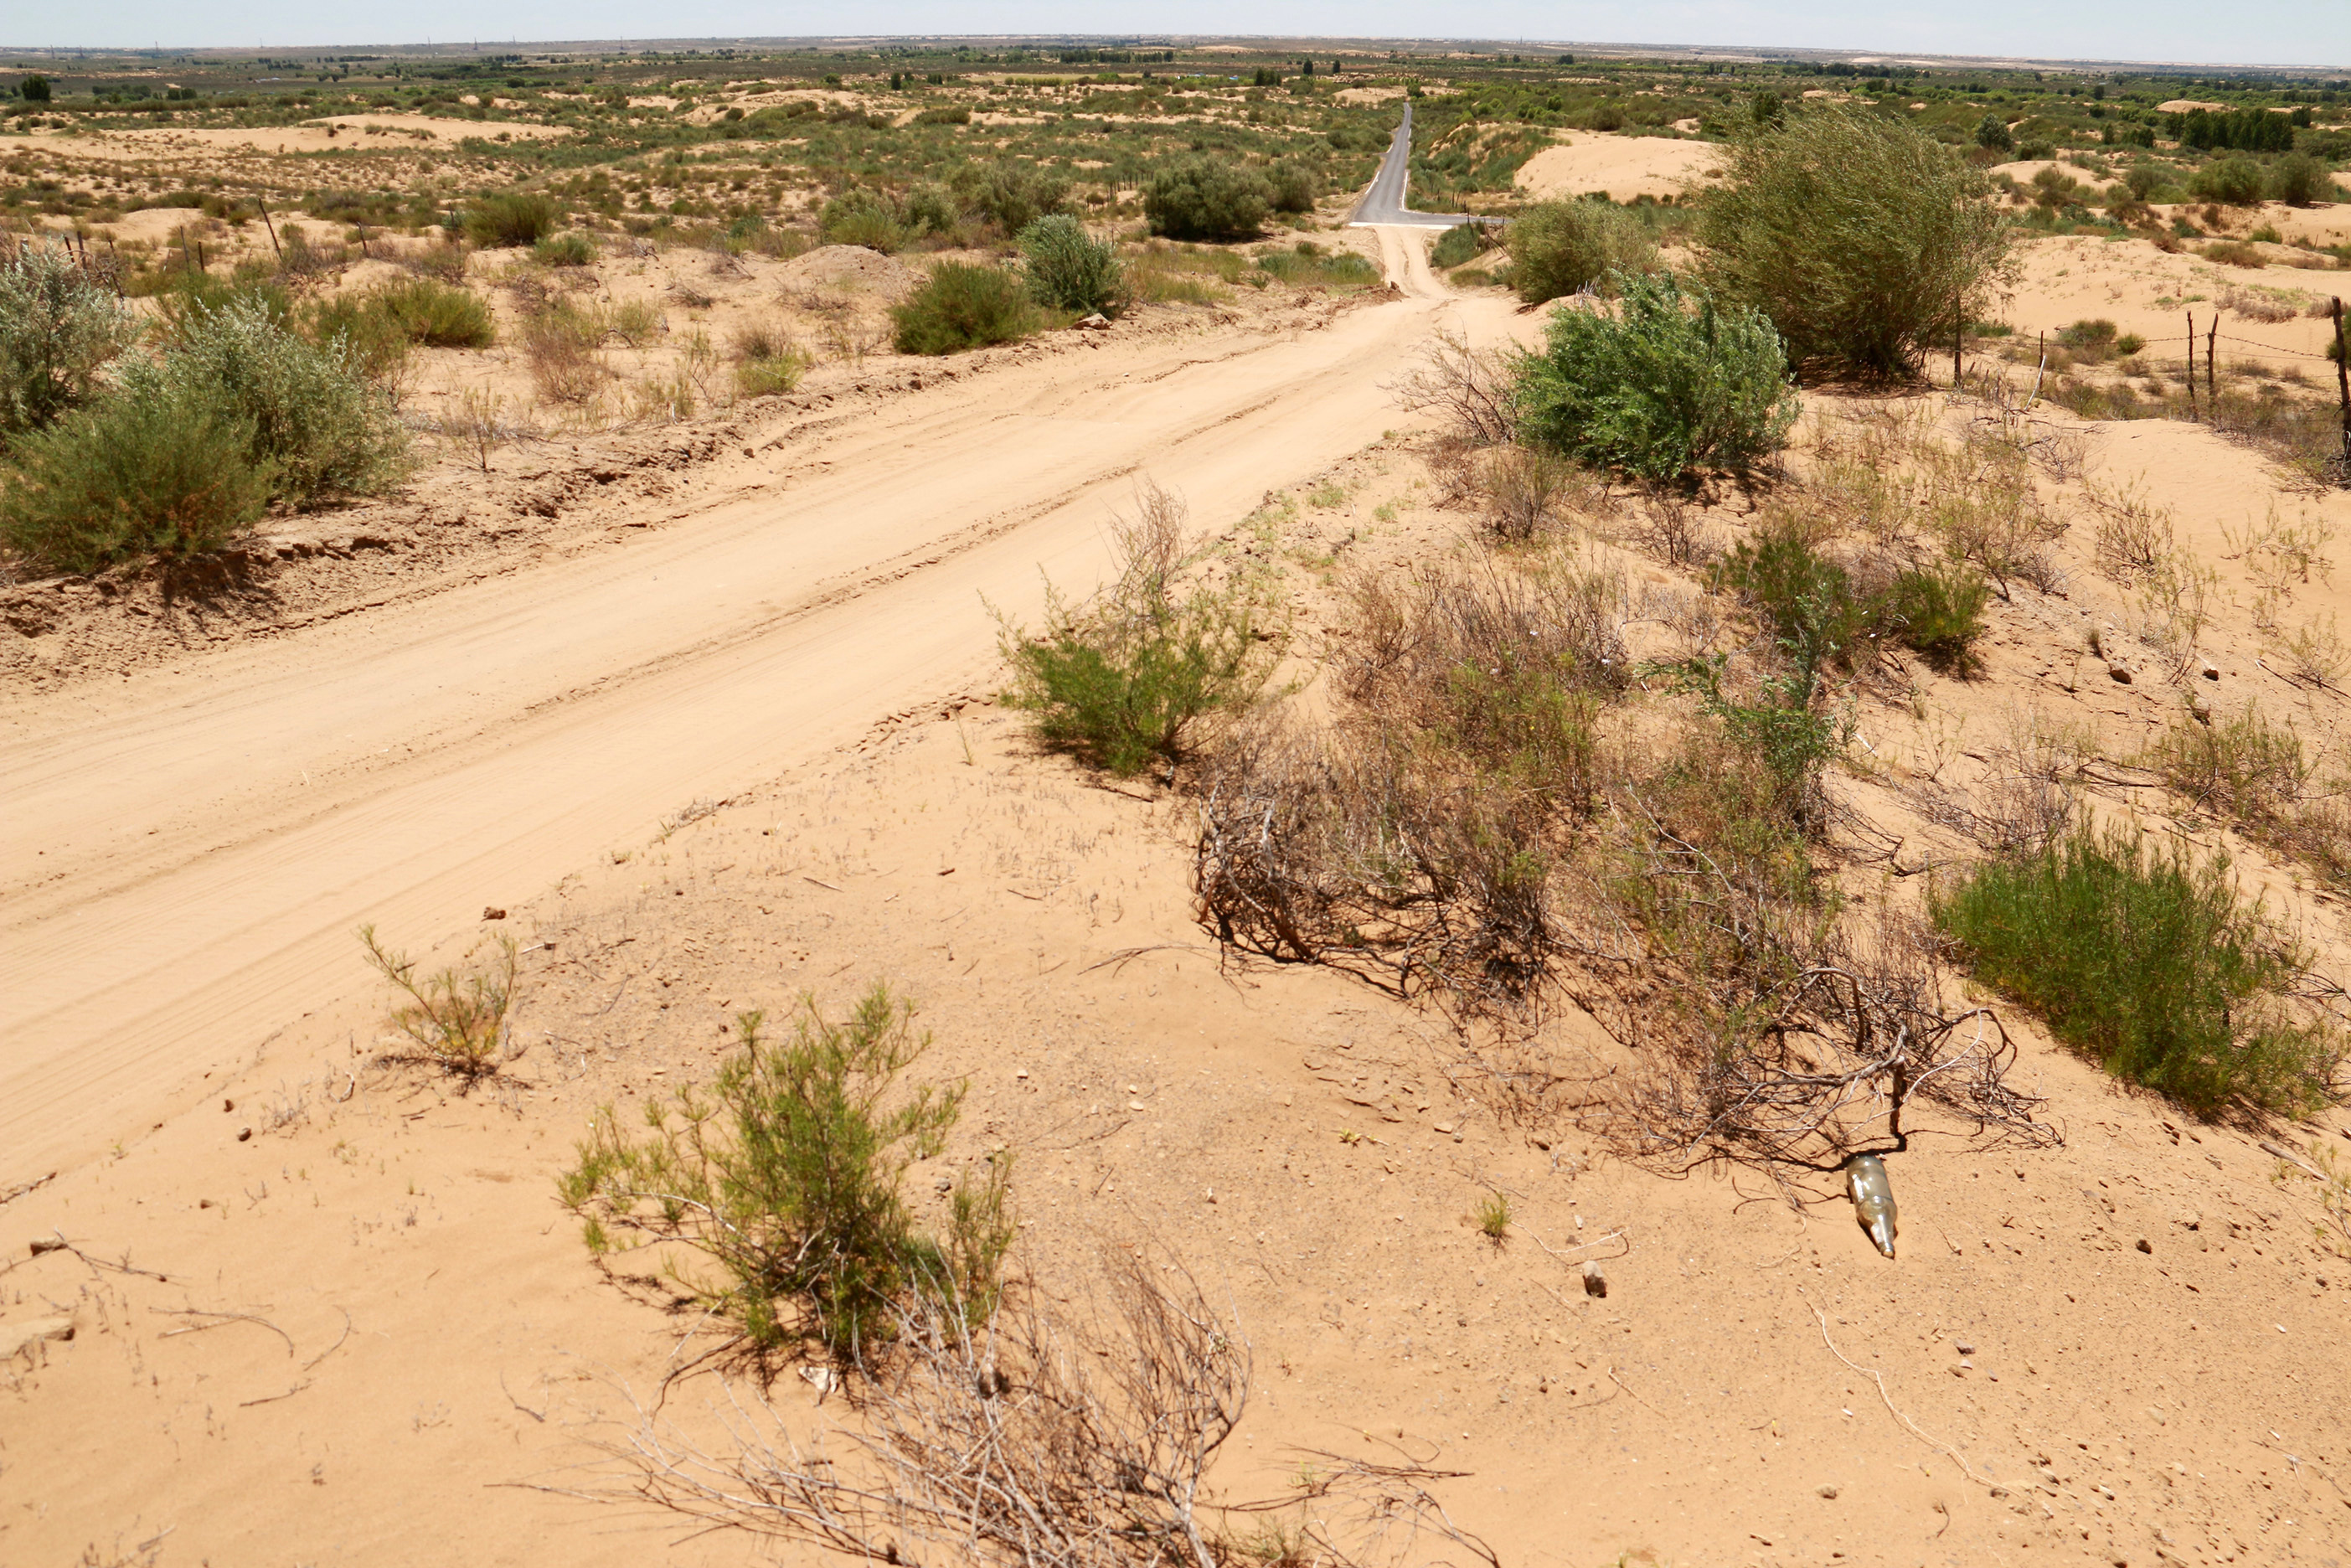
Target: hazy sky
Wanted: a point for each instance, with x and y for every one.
(2285, 32)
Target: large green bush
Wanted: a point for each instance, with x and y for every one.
(1660, 387)
(2145, 960)
(161, 470)
(1456, 246)
(1202, 197)
(962, 307)
(316, 424)
(1557, 248)
(786, 1175)
(2298, 180)
(58, 330)
(1864, 240)
(1067, 268)
(1294, 187)
(1012, 193)
(2232, 182)
(512, 218)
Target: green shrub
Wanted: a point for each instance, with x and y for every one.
(862, 216)
(1806, 599)
(317, 426)
(931, 208)
(787, 1174)
(1993, 131)
(2232, 182)
(161, 470)
(1067, 268)
(1861, 237)
(2298, 180)
(2145, 961)
(958, 116)
(767, 362)
(571, 249)
(57, 331)
(511, 218)
(1294, 187)
(962, 307)
(1939, 612)
(455, 1021)
(1012, 194)
(1557, 248)
(1201, 197)
(1455, 247)
(1659, 388)
(436, 315)
(1129, 675)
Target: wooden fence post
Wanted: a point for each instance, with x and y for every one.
(2212, 363)
(2343, 385)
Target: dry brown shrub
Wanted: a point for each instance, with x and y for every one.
(1042, 1437)
(1470, 388)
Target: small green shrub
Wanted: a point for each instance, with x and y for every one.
(1067, 268)
(317, 426)
(381, 324)
(1858, 235)
(1938, 611)
(59, 328)
(1558, 247)
(1202, 197)
(787, 1174)
(765, 362)
(930, 208)
(1660, 388)
(569, 249)
(1993, 131)
(862, 216)
(511, 218)
(1494, 1216)
(1455, 247)
(1807, 600)
(962, 307)
(1127, 676)
(457, 1023)
(158, 471)
(2145, 960)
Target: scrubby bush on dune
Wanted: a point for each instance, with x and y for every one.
(1294, 187)
(1455, 247)
(1661, 386)
(1130, 676)
(930, 208)
(2145, 960)
(572, 249)
(1067, 268)
(316, 424)
(786, 1175)
(57, 328)
(2232, 182)
(1557, 248)
(962, 307)
(2298, 180)
(1201, 197)
(511, 218)
(1863, 239)
(162, 470)
(1012, 194)
(862, 216)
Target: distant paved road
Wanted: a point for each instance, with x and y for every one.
(1383, 203)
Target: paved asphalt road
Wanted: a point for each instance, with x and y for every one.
(1383, 203)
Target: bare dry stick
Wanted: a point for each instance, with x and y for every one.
(1936, 1444)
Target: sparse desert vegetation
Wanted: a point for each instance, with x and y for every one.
(1129, 838)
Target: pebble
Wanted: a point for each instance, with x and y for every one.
(1595, 1283)
(1828, 1491)
(2120, 673)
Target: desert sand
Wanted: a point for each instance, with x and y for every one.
(705, 720)
(1625, 167)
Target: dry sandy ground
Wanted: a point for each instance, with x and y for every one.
(199, 141)
(1624, 166)
(727, 743)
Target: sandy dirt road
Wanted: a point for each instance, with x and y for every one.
(189, 854)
